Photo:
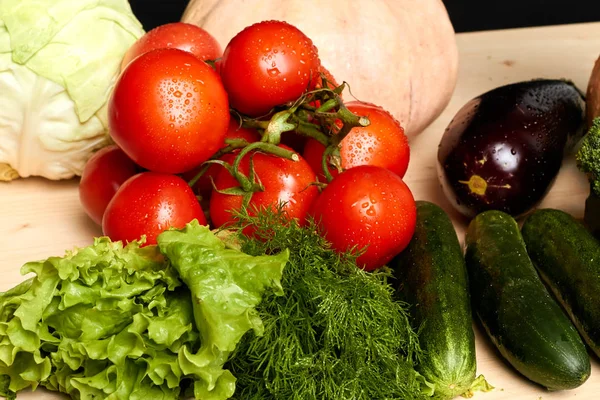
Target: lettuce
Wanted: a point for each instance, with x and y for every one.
(127, 322)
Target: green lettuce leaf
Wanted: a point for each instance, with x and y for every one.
(114, 322)
(226, 286)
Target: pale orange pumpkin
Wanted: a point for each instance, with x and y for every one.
(398, 54)
(593, 94)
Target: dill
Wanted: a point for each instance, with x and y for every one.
(336, 333)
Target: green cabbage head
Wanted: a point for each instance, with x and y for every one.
(59, 60)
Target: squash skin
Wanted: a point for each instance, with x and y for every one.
(401, 56)
(593, 94)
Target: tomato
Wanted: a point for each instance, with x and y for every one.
(382, 143)
(179, 35)
(267, 64)
(168, 111)
(149, 203)
(204, 185)
(103, 174)
(367, 207)
(284, 181)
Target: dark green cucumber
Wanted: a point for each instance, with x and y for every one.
(432, 278)
(521, 317)
(567, 257)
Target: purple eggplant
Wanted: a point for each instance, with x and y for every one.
(504, 148)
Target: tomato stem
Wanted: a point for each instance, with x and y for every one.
(231, 146)
(249, 184)
(277, 125)
(312, 131)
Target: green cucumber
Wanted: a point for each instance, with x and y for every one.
(431, 276)
(567, 257)
(522, 319)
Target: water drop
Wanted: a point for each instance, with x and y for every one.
(273, 71)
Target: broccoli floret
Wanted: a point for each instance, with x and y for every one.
(588, 156)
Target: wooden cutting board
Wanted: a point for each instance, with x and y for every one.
(40, 218)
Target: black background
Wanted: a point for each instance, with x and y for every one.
(466, 15)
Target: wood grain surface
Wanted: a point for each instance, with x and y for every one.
(40, 218)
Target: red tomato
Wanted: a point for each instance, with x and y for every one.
(168, 111)
(367, 206)
(204, 185)
(268, 64)
(149, 203)
(382, 143)
(103, 174)
(284, 181)
(179, 35)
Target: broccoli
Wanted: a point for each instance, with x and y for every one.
(588, 156)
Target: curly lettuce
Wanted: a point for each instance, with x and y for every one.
(111, 322)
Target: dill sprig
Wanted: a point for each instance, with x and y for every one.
(338, 333)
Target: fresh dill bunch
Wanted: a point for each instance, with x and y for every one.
(337, 333)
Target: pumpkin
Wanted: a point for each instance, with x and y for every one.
(593, 94)
(398, 54)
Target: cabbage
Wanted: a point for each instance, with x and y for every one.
(59, 60)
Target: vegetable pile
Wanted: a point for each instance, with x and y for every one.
(532, 272)
(284, 318)
(260, 241)
(402, 54)
(261, 126)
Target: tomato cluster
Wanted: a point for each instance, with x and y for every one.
(201, 133)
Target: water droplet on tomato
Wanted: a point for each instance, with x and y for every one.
(273, 71)
(371, 212)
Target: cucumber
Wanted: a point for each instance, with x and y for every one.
(431, 276)
(522, 319)
(567, 257)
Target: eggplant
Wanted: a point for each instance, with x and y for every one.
(504, 148)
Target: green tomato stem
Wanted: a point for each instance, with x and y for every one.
(232, 145)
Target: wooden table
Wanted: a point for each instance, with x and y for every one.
(41, 218)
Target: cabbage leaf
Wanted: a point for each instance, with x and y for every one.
(59, 61)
